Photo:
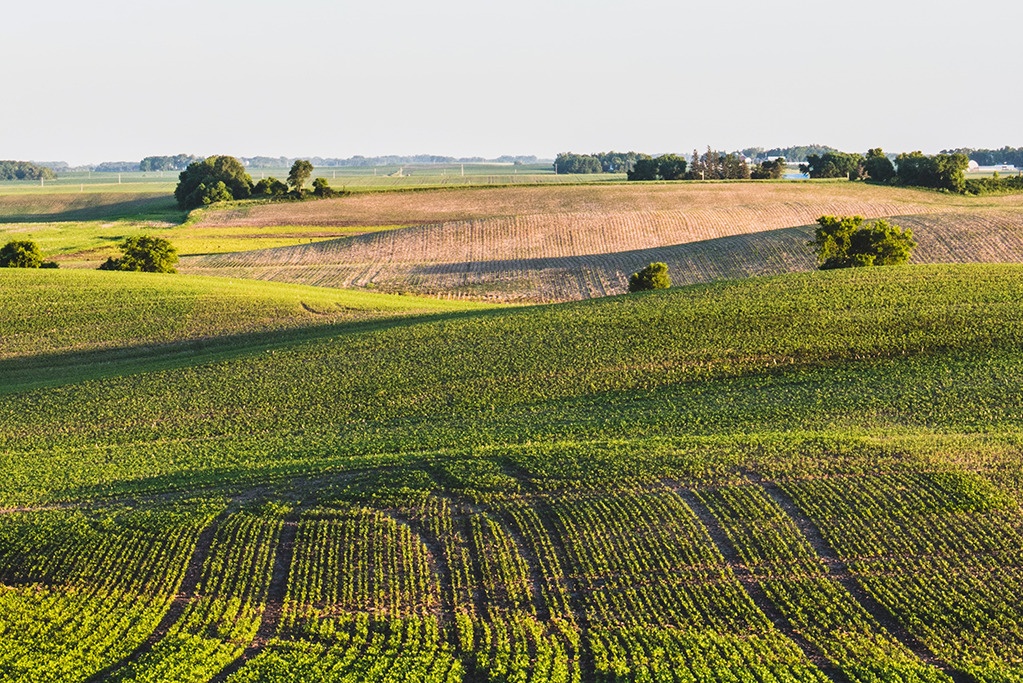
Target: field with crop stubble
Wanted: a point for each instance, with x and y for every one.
(575, 242)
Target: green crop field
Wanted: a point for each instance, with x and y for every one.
(808, 476)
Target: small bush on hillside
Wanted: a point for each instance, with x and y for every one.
(322, 189)
(845, 242)
(654, 276)
(144, 254)
(20, 254)
(270, 187)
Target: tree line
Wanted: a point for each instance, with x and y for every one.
(223, 178)
(24, 170)
(991, 157)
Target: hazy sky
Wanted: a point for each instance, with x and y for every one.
(122, 79)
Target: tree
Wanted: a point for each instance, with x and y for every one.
(299, 174)
(322, 188)
(878, 167)
(20, 254)
(832, 165)
(567, 162)
(769, 170)
(146, 254)
(654, 276)
(24, 170)
(941, 171)
(270, 187)
(671, 167)
(845, 242)
(215, 179)
(644, 168)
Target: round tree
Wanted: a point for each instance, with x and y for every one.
(146, 254)
(215, 179)
(654, 276)
(20, 254)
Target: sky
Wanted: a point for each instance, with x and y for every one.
(110, 80)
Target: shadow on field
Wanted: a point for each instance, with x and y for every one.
(733, 257)
(89, 207)
(24, 373)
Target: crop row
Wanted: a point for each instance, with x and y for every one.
(800, 586)
(940, 551)
(658, 596)
(79, 590)
(221, 620)
(355, 649)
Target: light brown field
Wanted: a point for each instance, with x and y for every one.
(563, 243)
(461, 204)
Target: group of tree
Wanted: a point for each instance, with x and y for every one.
(23, 254)
(795, 154)
(664, 167)
(116, 167)
(771, 169)
(24, 170)
(144, 254)
(711, 165)
(916, 169)
(832, 165)
(178, 162)
(598, 162)
(940, 171)
(715, 165)
(991, 157)
(224, 178)
(847, 242)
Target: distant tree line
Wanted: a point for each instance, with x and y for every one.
(991, 157)
(223, 178)
(916, 169)
(116, 167)
(24, 170)
(711, 165)
(598, 162)
(178, 162)
(797, 154)
(391, 160)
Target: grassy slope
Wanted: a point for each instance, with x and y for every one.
(535, 474)
(863, 352)
(81, 229)
(56, 318)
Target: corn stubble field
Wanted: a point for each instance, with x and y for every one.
(804, 477)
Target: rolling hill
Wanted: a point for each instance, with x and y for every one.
(808, 477)
(568, 243)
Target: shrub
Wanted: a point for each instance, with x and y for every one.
(654, 276)
(845, 242)
(270, 187)
(322, 189)
(20, 254)
(145, 254)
